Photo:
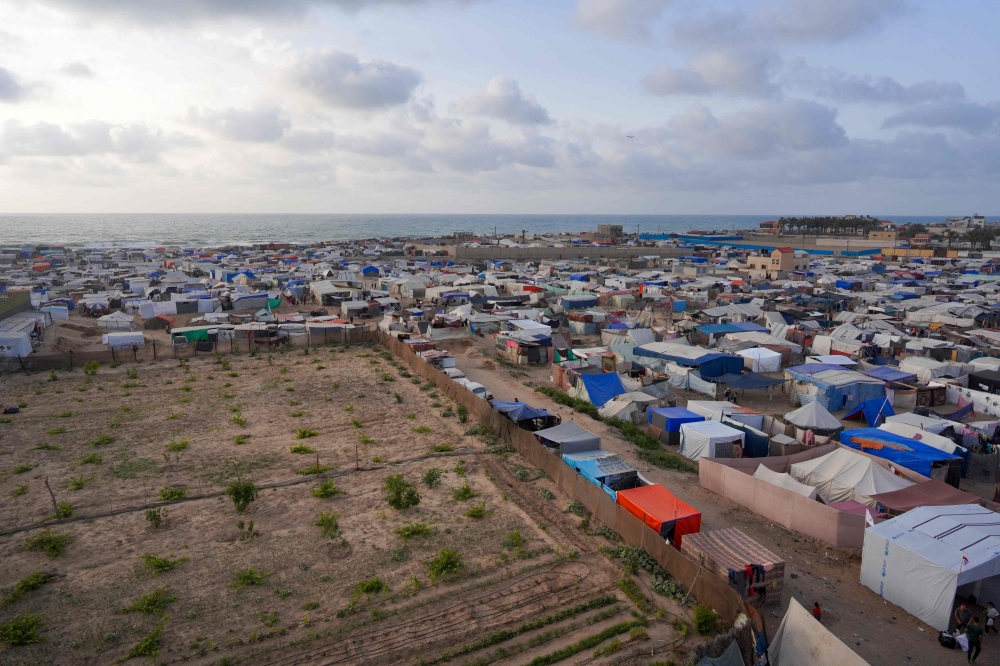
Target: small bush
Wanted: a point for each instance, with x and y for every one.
(411, 530)
(51, 543)
(90, 369)
(448, 561)
(477, 511)
(64, 415)
(159, 565)
(57, 431)
(463, 414)
(422, 429)
(314, 470)
(442, 448)
(150, 645)
(154, 603)
(172, 494)
(102, 440)
(328, 524)
(705, 619)
(301, 448)
(464, 493)
(243, 493)
(240, 440)
(513, 540)
(305, 433)
(156, 516)
(178, 446)
(296, 414)
(399, 398)
(401, 493)
(64, 510)
(23, 468)
(326, 489)
(25, 585)
(248, 577)
(20, 490)
(432, 477)
(90, 459)
(238, 421)
(411, 416)
(21, 630)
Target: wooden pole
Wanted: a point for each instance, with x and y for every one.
(55, 507)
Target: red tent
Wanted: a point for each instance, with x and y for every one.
(660, 509)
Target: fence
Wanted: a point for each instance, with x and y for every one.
(707, 587)
(159, 351)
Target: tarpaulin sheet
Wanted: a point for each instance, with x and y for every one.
(928, 493)
(519, 411)
(875, 411)
(673, 417)
(661, 510)
(889, 374)
(903, 451)
(748, 380)
(603, 387)
(731, 657)
(801, 640)
(570, 437)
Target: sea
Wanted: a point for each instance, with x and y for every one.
(191, 230)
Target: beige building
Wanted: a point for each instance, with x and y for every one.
(882, 235)
(777, 265)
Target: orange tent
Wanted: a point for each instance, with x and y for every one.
(660, 509)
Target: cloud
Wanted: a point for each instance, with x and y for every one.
(308, 141)
(832, 83)
(263, 124)
(746, 73)
(12, 90)
(77, 70)
(505, 100)
(187, 11)
(620, 19)
(341, 80)
(971, 117)
(136, 141)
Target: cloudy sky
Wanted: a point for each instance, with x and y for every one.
(500, 106)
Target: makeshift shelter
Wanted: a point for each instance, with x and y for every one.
(747, 381)
(889, 374)
(801, 640)
(928, 369)
(656, 506)
(874, 411)
(158, 323)
(928, 493)
(710, 439)
(116, 321)
(985, 380)
(834, 387)
(932, 424)
(813, 416)
(730, 657)
(525, 416)
(834, 359)
(709, 364)
(761, 359)
(628, 407)
(569, 438)
(718, 409)
(669, 421)
(124, 340)
(730, 549)
(608, 471)
(923, 436)
(843, 475)
(906, 452)
(786, 481)
(598, 388)
(948, 549)
(15, 343)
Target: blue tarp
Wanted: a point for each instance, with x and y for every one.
(748, 326)
(814, 368)
(847, 284)
(370, 270)
(711, 364)
(714, 329)
(904, 451)
(675, 417)
(748, 380)
(889, 374)
(603, 387)
(874, 411)
(519, 411)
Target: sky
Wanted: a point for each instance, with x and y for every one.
(788, 107)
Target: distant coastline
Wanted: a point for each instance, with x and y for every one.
(145, 230)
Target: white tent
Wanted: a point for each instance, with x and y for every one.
(929, 423)
(942, 547)
(762, 358)
(715, 410)
(928, 369)
(14, 343)
(629, 407)
(116, 321)
(801, 640)
(813, 416)
(699, 439)
(844, 475)
(832, 359)
(124, 340)
(923, 436)
(786, 481)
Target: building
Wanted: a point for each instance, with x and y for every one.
(772, 227)
(609, 231)
(882, 235)
(976, 221)
(921, 239)
(777, 265)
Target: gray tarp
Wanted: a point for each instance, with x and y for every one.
(731, 657)
(571, 438)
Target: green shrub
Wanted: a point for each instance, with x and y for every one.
(401, 493)
(172, 494)
(150, 645)
(357, 424)
(313, 470)
(243, 493)
(448, 561)
(576, 404)
(442, 448)
(102, 440)
(51, 543)
(463, 414)
(399, 398)
(464, 493)
(239, 440)
(477, 511)
(90, 459)
(156, 516)
(411, 530)
(154, 603)
(301, 448)
(25, 585)
(248, 577)
(705, 619)
(326, 489)
(159, 565)
(178, 446)
(21, 630)
(64, 510)
(57, 431)
(305, 433)
(90, 369)
(432, 477)
(422, 429)
(513, 540)
(23, 468)
(64, 415)
(328, 524)
(20, 490)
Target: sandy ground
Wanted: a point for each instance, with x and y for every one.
(878, 631)
(124, 421)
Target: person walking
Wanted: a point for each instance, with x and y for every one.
(991, 618)
(975, 634)
(817, 612)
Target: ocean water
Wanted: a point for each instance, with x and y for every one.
(213, 230)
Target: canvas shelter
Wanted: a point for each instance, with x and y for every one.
(718, 409)
(669, 421)
(526, 416)
(834, 387)
(598, 388)
(629, 407)
(703, 439)
(834, 359)
(932, 424)
(923, 436)
(929, 493)
(813, 416)
(800, 640)
(761, 359)
(949, 549)
(874, 411)
(569, 437)
(985, 380)
(730, 657)
(786, 481)
(844, 475)
(608, 471)
(15, 343)
(116, 321)
(747, 381)
(903, 451)
(661, 510)
(889, 374)
(928, 369)
(710, 364)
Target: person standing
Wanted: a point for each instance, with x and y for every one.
(817, 612)
(975, 634)
(991, 618)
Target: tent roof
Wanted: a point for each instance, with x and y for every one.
(598, 464)
(519, 411)
(713, 429)
(872, 410)
(567, 432)
(657, 502)
(748, 380)
(928, 493)
(786, 481)
(842, 475)
(904, 451)
(813, 416)
(800, 639)
(758, 352)
(602, 387)
(889, 374)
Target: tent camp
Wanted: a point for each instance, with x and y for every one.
(597, 388)
(833, 386)
(873, 411)
(843, 475)
(525, 416)
(716, 410)
(761, 359)
(900, 450)
(786, 481)
(929, 493)
(801, 640)
(629, 407)
(15, 343)
(928, 369)
(923, 436)
(710, 439)
(116, 321)
(569, 437)
(931, 424)
(710, 364)
(949, 549)
(660, 509)
(813, 416)
(669, 421)
(608, 471)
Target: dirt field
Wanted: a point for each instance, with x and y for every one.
(878, 631)
(116, 440)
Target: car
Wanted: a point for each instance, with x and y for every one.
(477, 388)
(454, 373)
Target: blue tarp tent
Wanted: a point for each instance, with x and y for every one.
(716, 365)
(602, 387)
(836, 388)
(606, 470)
(370, 270)
(674, 417)
(747, 380)
(889, 374)
(904, 451)
(748, 326)
(519, 411)
(874, 411)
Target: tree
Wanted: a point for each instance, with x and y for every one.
(402, 493)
